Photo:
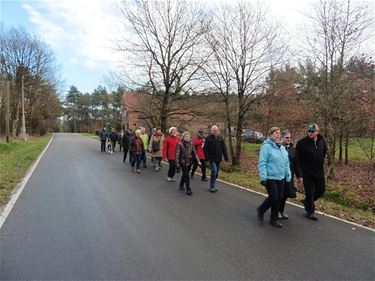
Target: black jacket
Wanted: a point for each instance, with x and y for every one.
(113, 136)
(214, 148)
(311, 156)
(293, 161)
(125, 140)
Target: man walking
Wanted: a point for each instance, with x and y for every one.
(103, 139)
(311, 151)
(214, 149)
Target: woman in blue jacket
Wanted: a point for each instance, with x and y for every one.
(273, 169)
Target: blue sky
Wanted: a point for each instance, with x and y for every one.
(75, 31)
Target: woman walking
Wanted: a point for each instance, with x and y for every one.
(136, 149)
(185, 153)
(198, 144)
(155, 147)
(290, 190)
(274, 170)
(169, 151)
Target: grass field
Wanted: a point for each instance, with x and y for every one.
(15, 159)
(358, 149)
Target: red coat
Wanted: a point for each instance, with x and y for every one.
(198, 143)
(169, 147)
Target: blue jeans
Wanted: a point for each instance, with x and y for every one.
(215, 166)
(136, 158)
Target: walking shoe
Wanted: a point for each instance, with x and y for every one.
(260, 216)
(188, 191)
(173, 179)
(204, 179)
(311, 216)
(169, 179)
(283, 216)
(212, 190)
(138, 170)
(276, 224)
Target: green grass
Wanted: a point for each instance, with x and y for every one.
(252, 148)
(15, 159)
(356, 152)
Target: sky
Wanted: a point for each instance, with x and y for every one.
(83, 33)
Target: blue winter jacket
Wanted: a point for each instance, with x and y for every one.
(273, 162)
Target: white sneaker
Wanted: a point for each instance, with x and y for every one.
(173, 179)
(169, 179)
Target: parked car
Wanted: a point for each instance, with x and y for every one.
(252, 136)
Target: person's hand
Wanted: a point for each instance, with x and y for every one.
(300, 180)
(263, 182)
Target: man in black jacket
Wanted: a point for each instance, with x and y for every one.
(214, 149)
(311, 151)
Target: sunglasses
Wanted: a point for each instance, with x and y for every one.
(311, 132)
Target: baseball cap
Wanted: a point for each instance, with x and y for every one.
(312, 127)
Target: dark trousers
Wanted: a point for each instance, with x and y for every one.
(136, 158)
(185, 177)
(102, 145)
(143, 157)
(125, 154)
(172, 168)
(195, 166)
(314, 189)
(275, 189)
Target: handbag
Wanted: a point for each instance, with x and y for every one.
(291, 191)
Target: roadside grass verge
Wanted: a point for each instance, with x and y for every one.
(15, 159)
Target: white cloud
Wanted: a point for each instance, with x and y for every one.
(85, 30)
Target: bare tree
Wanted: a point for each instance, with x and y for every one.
(337, 30)
(25, 58)
(167, 39)
(245, 47)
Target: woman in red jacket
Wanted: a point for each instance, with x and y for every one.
(169, 151)
(198, 143)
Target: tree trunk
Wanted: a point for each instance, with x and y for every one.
(340, 146)
(229, 126)
(346, 149)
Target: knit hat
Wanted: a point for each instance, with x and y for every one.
(171, 129)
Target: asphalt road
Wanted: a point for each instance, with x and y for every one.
(84, 215)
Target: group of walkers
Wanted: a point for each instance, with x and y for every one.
(279, 161)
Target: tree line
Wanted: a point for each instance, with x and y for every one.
(88, 112)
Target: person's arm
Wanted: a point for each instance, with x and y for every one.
(262, 164)
(165, 149)
(205, 149)
(297, 167)
(177, 156)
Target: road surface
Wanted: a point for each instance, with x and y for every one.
(83, 215)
